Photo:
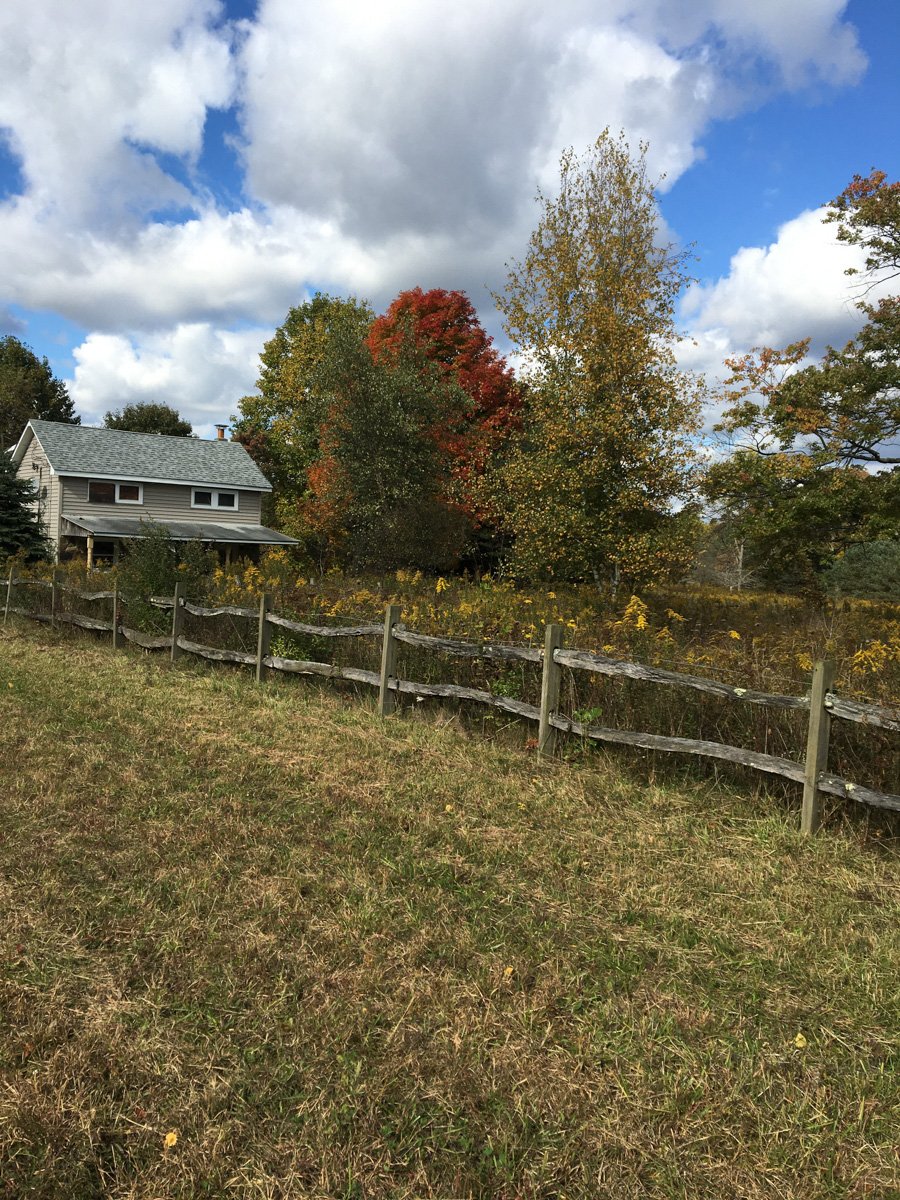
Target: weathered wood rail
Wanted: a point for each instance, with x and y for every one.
(821, 702)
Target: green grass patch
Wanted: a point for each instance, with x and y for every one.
(342, 958)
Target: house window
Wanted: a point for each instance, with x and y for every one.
(101, 491)
(203, 498)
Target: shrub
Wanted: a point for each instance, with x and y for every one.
(152, 567)
(870, 570)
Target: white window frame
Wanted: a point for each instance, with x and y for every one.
(119, 486)
(215, 493)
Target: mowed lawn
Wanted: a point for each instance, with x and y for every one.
(255, 943)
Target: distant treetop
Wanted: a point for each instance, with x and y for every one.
(28, 390)
(149, 418)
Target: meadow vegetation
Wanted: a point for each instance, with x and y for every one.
(762, 641)
(254, 943)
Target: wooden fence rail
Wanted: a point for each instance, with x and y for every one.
(822, 704)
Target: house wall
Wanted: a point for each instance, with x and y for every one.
(49, 506)
(162, 502)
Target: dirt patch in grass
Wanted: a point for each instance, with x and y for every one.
(255, 943)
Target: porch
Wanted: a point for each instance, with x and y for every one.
(102, 538)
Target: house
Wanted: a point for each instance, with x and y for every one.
(96, 489)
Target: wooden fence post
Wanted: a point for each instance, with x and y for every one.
(553, 640)
(387, 699)
(816, 745)
(177, 621)
(54, 597)
(264, 635)
(115, 617)
(9, 588)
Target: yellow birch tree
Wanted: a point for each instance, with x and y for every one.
(597, 483)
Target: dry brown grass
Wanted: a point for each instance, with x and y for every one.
(343, 959)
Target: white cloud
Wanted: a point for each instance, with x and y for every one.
(88, 90)
(803, 40)
(384, 147)
(404, 116)
(224, 267)
(197, 369)
(796, 287)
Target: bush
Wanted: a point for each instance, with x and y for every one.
(870, 570)
(152, 567)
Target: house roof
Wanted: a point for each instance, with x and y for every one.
(104, 525)
(149, 457)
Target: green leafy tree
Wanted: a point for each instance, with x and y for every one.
(840, 412)
(280, 426)
(145, 417)
(795, 516)
(605, 456)
(800, 435)
(20, 527)
(28, 390)
(379, 483)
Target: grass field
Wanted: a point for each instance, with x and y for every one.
(255, 944)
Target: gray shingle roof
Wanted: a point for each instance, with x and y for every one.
(113, 453)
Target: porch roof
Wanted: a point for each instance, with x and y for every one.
(111, 526)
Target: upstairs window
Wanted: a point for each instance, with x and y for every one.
(205, 498)
(102, 491)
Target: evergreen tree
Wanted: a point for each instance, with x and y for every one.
(20, 528)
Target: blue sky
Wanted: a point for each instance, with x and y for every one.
(172, 180)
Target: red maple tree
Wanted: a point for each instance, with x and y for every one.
(445, 328)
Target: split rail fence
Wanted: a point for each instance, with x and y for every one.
(821, 703)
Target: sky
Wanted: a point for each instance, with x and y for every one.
(175, 176)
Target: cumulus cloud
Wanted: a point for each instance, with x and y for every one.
(91, 93)
(197, 369)
(225, 267)
(373, 137)
(381, 147)
(801, 42)
(400, 117)
(794, 288)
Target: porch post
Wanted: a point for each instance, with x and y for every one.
(90, 552)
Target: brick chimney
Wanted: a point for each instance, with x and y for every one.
(220, 432)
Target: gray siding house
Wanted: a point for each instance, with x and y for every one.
(96, 489)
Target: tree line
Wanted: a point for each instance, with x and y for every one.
(406, 439)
